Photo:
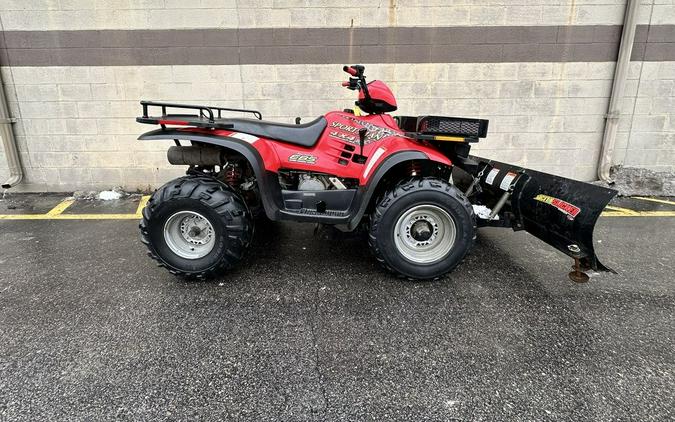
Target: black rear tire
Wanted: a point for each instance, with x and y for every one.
(213, 201)
(427, 192)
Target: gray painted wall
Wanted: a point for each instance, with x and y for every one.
(540, 70)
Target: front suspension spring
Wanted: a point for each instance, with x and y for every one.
(414, 168)
(232, 174)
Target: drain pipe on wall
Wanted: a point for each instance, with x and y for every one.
(618, 86)
(9, 142)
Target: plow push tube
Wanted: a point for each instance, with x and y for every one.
(560, 211)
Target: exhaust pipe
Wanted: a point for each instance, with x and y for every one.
(9, 142)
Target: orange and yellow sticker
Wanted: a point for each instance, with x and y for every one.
(565, 207)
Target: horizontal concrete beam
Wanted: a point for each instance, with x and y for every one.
(596, 43)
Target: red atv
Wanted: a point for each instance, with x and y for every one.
(409, 180)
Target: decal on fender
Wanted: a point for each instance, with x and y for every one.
(371, 162)
(570, 210)
(343, 137)
(375, 133)
(302, 158)
(245, 137)
(349, 133)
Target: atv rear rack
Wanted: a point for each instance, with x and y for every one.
(208, 117)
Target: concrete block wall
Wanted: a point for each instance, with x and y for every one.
(647, 139)
(40, 15)
(540, 70)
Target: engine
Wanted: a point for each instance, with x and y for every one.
(307, 181)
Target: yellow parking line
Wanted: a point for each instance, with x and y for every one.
(61, 207)
(143, 202)
(56, 213)
(624, 211)
(612, 214)
(638, 213)
(660, 201)
(68, 217)
(136, 216)
(657, 213)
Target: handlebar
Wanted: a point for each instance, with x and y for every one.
(350, 70)
(358, 81)
(355, 70)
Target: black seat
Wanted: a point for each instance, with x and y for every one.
(304, 135)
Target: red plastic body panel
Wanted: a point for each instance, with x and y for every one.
(379, 91)
(333, 152)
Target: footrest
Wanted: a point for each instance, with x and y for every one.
(331, 213)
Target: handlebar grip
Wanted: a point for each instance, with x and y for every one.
(350, 70)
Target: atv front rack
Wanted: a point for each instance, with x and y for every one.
(443, 125)
(207, 117)
(442, 128)
(426, 137)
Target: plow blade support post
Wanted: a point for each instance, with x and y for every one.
(560, 211)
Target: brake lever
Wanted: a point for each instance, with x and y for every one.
(353, 84)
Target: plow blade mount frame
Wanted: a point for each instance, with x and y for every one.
(560, 211)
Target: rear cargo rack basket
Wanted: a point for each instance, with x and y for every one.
(206, 116)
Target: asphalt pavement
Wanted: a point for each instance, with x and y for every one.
(309, 328)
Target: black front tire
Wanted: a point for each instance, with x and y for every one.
(224, 210)
(406, 196)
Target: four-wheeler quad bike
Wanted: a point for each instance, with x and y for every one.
(409, 180)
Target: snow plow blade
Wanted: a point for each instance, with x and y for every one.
(560, 211)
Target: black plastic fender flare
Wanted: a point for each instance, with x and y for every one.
(366, 192)
(270, 195)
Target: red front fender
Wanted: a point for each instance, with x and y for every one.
(396, 145)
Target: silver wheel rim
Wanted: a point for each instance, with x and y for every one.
(189, 235)
(425, 234)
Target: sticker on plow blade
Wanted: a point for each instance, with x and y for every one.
(559, 211)
(565, 207)
(490, 179)
(507, 180)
